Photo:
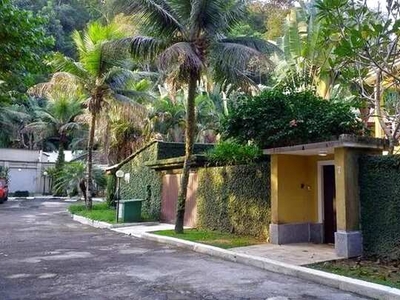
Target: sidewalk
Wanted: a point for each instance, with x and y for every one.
(294, 254)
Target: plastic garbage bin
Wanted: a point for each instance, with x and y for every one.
(130, 210)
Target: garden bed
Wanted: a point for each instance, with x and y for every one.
(385, 273)
(100, 212)
(213, 238)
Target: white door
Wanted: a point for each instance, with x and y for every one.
(23, 180)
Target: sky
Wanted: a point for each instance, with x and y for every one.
(375, 3)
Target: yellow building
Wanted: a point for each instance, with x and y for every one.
(315, 195)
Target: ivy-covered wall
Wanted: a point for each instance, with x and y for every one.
(145, 183)
(235, 199)
(380, 205)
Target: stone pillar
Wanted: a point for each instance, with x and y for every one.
(348, 238)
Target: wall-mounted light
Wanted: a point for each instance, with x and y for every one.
(127, 177)
(322, 153)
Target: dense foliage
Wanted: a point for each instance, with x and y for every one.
(23, 45)
(276, 119)
(380, 206)
(62, 18)
(231, 152)
(235, 199)
(67, 179)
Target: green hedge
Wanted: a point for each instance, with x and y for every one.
(380, 205)
(235, 199)
(144, 183)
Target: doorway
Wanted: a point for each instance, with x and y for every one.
(329, 203)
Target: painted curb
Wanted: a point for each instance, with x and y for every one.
(101, 224)
(87, 221)
(360, 287)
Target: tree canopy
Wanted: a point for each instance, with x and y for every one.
(23, 46)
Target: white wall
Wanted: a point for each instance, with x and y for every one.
(26, 169)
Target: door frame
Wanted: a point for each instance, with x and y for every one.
(321, 164)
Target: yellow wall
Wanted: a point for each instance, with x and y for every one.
(294, 188)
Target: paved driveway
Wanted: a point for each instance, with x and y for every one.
(45, 255)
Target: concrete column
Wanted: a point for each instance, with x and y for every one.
(274, 189)
(348, 238)
(39, 178)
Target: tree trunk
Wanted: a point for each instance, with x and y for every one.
(89, 184)
(379, 114)
(189, 141)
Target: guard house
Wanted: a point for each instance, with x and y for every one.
(315, 193)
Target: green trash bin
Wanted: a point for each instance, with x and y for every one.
(130, 210)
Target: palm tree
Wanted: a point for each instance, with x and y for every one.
(56, 122)
(190, 38)
(103, 70)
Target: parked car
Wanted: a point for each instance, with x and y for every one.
(3, 190)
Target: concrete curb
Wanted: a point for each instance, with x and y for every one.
(101, 224)
(343, 283)
(87, 221)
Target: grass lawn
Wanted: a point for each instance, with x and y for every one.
(368, 270)
(214, 238)
(99, 212)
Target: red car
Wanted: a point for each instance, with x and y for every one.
(3, 190)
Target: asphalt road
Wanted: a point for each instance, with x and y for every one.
(45, 255)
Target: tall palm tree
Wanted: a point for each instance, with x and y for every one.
(57, 120)
(190, 38)
(103, 70)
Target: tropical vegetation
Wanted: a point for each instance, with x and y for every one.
(276, 118)
(108, 76)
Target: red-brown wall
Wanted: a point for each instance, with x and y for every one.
(170, 190)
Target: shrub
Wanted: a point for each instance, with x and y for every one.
(21, 194)
(232, 153)
(68, 179)
(4, 173)
(380, 206)
(276, 119)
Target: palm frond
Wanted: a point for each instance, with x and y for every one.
(180, 56)
(265, 47)
(182, 9)
(215, 17)
(61, 83)
(156, 16)
(124, 100)
(147, 48)
(70, 126)
(120, 78)
(66, 64)
(234, 63)
(137, 96)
